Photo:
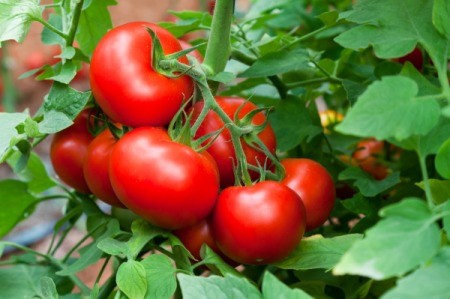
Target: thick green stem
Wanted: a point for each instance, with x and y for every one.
(74, 23)
(426, 183)
(52, 28)
(219, 46)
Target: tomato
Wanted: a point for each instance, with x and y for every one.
(124, 216)
(222, 149)
(45, 56)
(315, 186)
(96, 165)
(68, 150)
(258, 224)
(415, 57)
(367, 155)
(193, 237)
(124, 83)
(196, 53)
(166, 183)
(211, 6)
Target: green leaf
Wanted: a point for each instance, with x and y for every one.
(317, 252)
(292, 124)
(64, 72)
(94, 22)
(441, 17)
(34, 173)
(426, 88)
(278, 63)
(24, 281)
(61, 106)
(272, 288)
(48, 288)
(440, 190)
(216, 263)
(360, 204)
(49, 37)
(160, 275)
(228, 287)
(143, 232)
(442, 161)
(429, 281)
(112, 246)
(16, 17)
(446, 218)
(223, 77)
(366, 184)
(393, 28)
(394, 246)
(8, 133)
(14, 202)
(390, 108)
(131, 279)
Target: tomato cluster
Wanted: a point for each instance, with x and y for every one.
(178, 187)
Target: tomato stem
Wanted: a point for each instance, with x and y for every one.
(423, 168)
(74, 22)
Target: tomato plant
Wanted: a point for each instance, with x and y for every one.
(368, 156)
(164, 182)
(149, 99)
(222, 149)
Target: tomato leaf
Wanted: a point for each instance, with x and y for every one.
(440, 190)
(442, 161)
(228, 287)
(216, 263)
(95, 21)
(143, 232)
(34, 173)
(429, 281)
(441, 17)
(272, 288)
(366, 184)
(360, 204)
(61, 106)
(113, 247)
(393, 246)
(14, 202)
(446, 218)
(278, 63)
(48, 288)
(64, 72)
(160, 276)
(391, 108)
(9, 136)
(381, 21)
(317, 252)
(131, 279)
(292, 124)
(16, 17)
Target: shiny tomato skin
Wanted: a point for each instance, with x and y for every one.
(166, 183)
(68, 150)
(315, 187)
(366, 157)
(96, 167)
(222, 149)
(124, 83)
(259, 224)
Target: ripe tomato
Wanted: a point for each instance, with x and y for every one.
(258, 224)
(68, 150)
(96, 165)
(124, 83)
(193, 237)
(312, 182)
(367, 155)
(166, 183)
(222, 149)
(196, 53)
(415, 57)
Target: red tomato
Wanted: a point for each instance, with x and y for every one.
(366, 156)
(258, 224)
(167, 183)
(196, 53)
(193, 237)
(68, 150)
(45, 56)
(312, 182)
(96, 165)
(124, 83)
(222, 149)
(415, 57)
(211, 6)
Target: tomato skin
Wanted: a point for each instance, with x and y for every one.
(415, 57)
(222, 149)
(315, 186)
(166, 183)
(365, 157)
(258, 224)
(124, 83)
(68, 150)
(96, 167)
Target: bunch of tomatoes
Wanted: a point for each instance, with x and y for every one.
(189, 187)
